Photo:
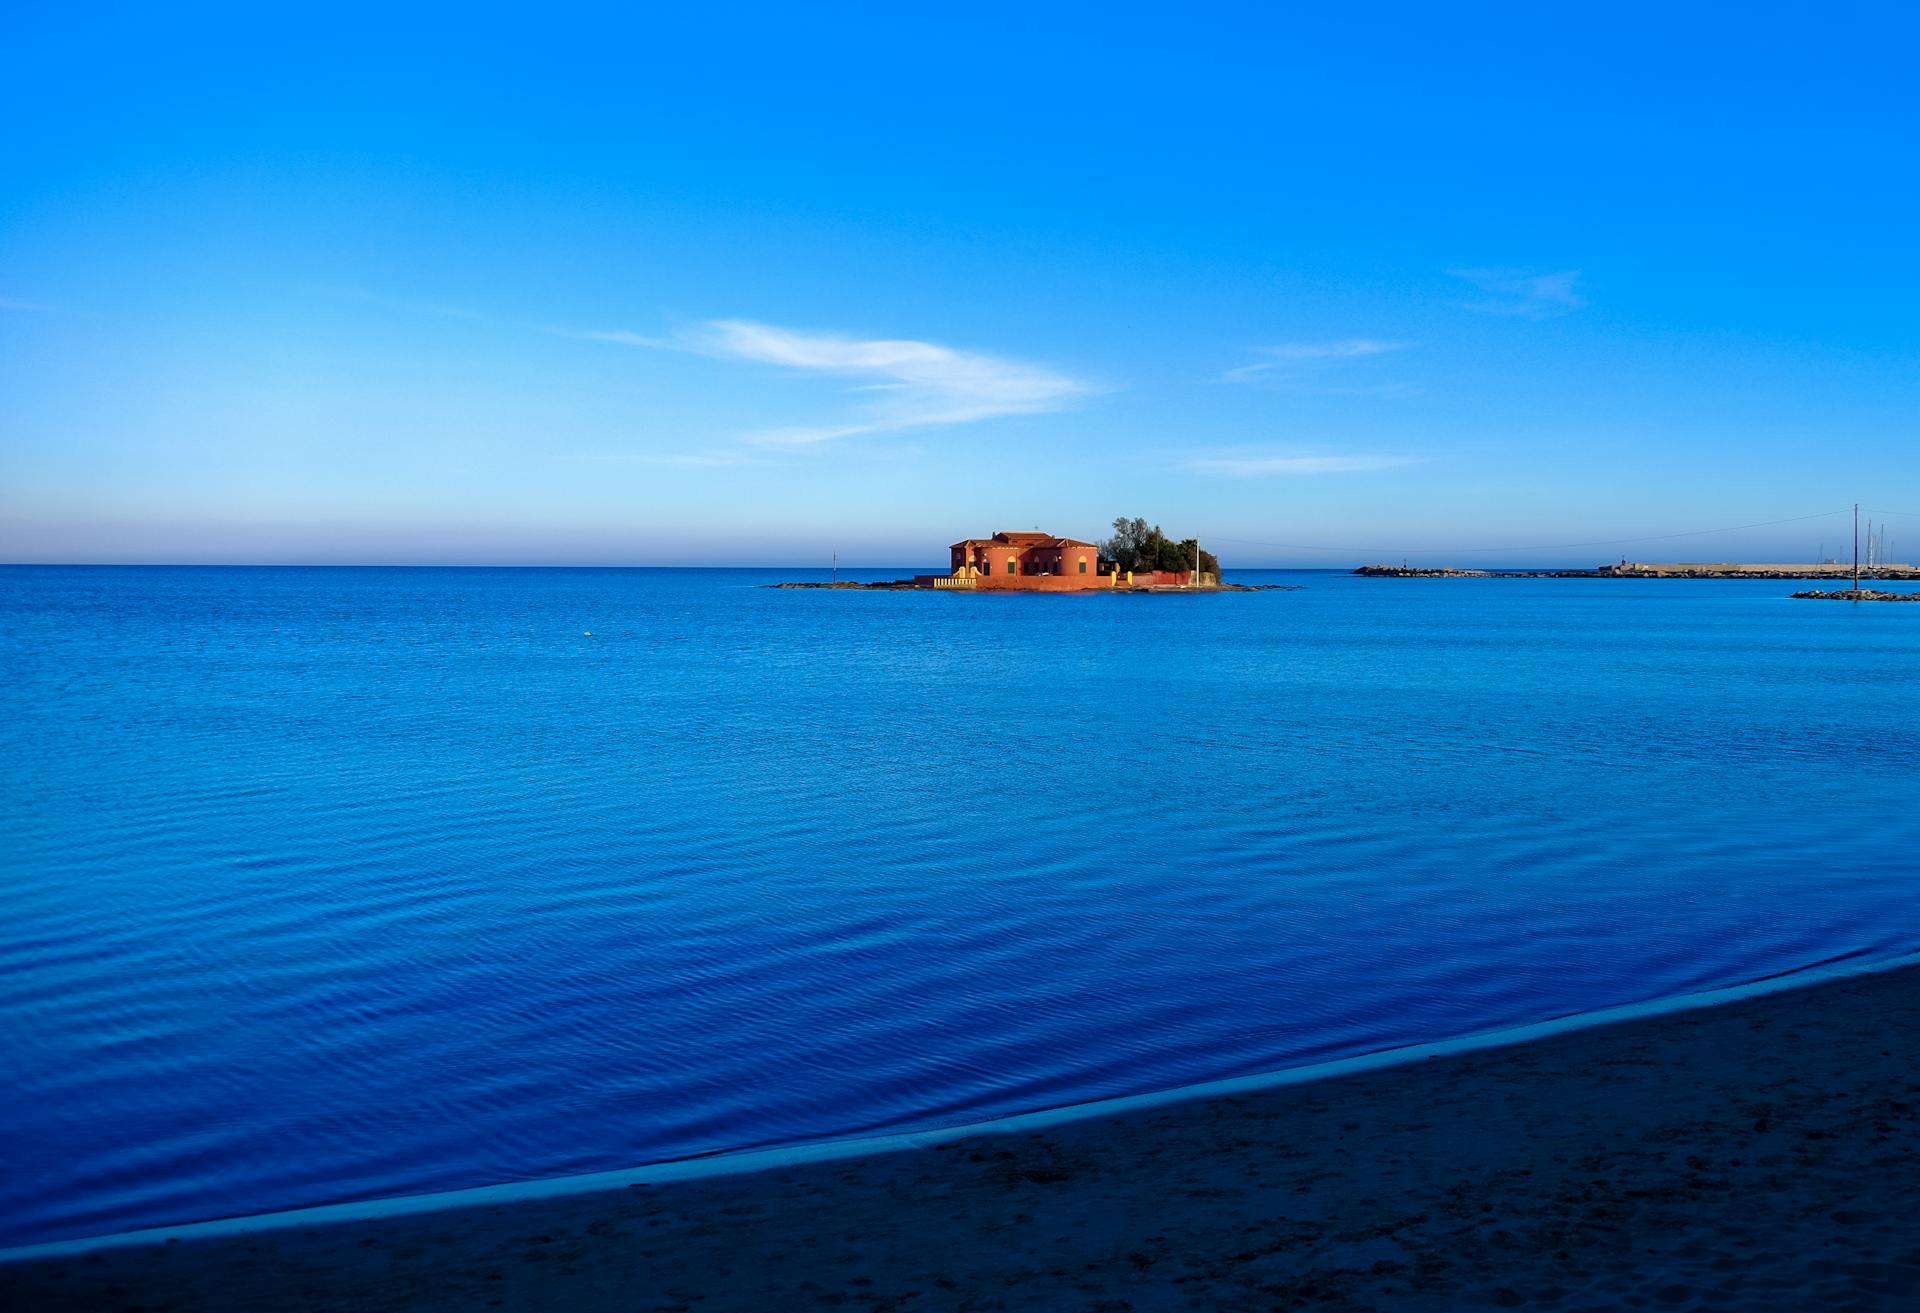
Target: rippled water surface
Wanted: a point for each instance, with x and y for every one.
(328, 884)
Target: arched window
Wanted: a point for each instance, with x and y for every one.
(1083, 565)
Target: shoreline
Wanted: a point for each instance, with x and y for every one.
(867, 1178)
(908, 586)
(739, 1162)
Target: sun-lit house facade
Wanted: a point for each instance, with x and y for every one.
(1039, 562)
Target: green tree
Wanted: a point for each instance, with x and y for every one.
(1129, 547)
(1138, 545)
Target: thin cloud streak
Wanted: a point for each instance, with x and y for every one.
(801, 435)
(706, 459)
(619, 337)
(1290, 361)
(1257, 467)
(1523, 293)
(913, 383)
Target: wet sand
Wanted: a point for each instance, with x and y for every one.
(1762, 1154)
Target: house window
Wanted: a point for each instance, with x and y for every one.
(1009, 565)
(1083, 565)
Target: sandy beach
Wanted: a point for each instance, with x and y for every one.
(1761, 1154)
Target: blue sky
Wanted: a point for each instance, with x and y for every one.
(619, 286)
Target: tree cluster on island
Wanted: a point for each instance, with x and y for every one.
(1137, 545)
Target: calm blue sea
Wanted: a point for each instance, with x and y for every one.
(336, 883)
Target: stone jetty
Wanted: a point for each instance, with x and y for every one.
(1858, 595)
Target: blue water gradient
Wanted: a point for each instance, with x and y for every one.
(329, 884)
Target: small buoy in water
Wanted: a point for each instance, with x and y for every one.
(587, 634)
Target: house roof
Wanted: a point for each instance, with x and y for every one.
(1023, 541)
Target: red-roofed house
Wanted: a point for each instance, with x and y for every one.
(1038, 562)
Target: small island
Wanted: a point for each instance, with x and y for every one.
(1138, 558)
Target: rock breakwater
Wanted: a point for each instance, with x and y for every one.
(1857, 595)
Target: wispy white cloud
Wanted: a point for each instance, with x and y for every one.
(1524, 293)
(619, 337)
(1246, 464)
(806, 435)
(1301, 365)
(711, 458)
(905, 383)
(912, 383)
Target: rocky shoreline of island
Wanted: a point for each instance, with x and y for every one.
(911, 585)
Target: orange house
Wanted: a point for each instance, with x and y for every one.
(1038, 562)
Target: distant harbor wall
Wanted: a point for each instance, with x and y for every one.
(1654, 570)
(1748, 570)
